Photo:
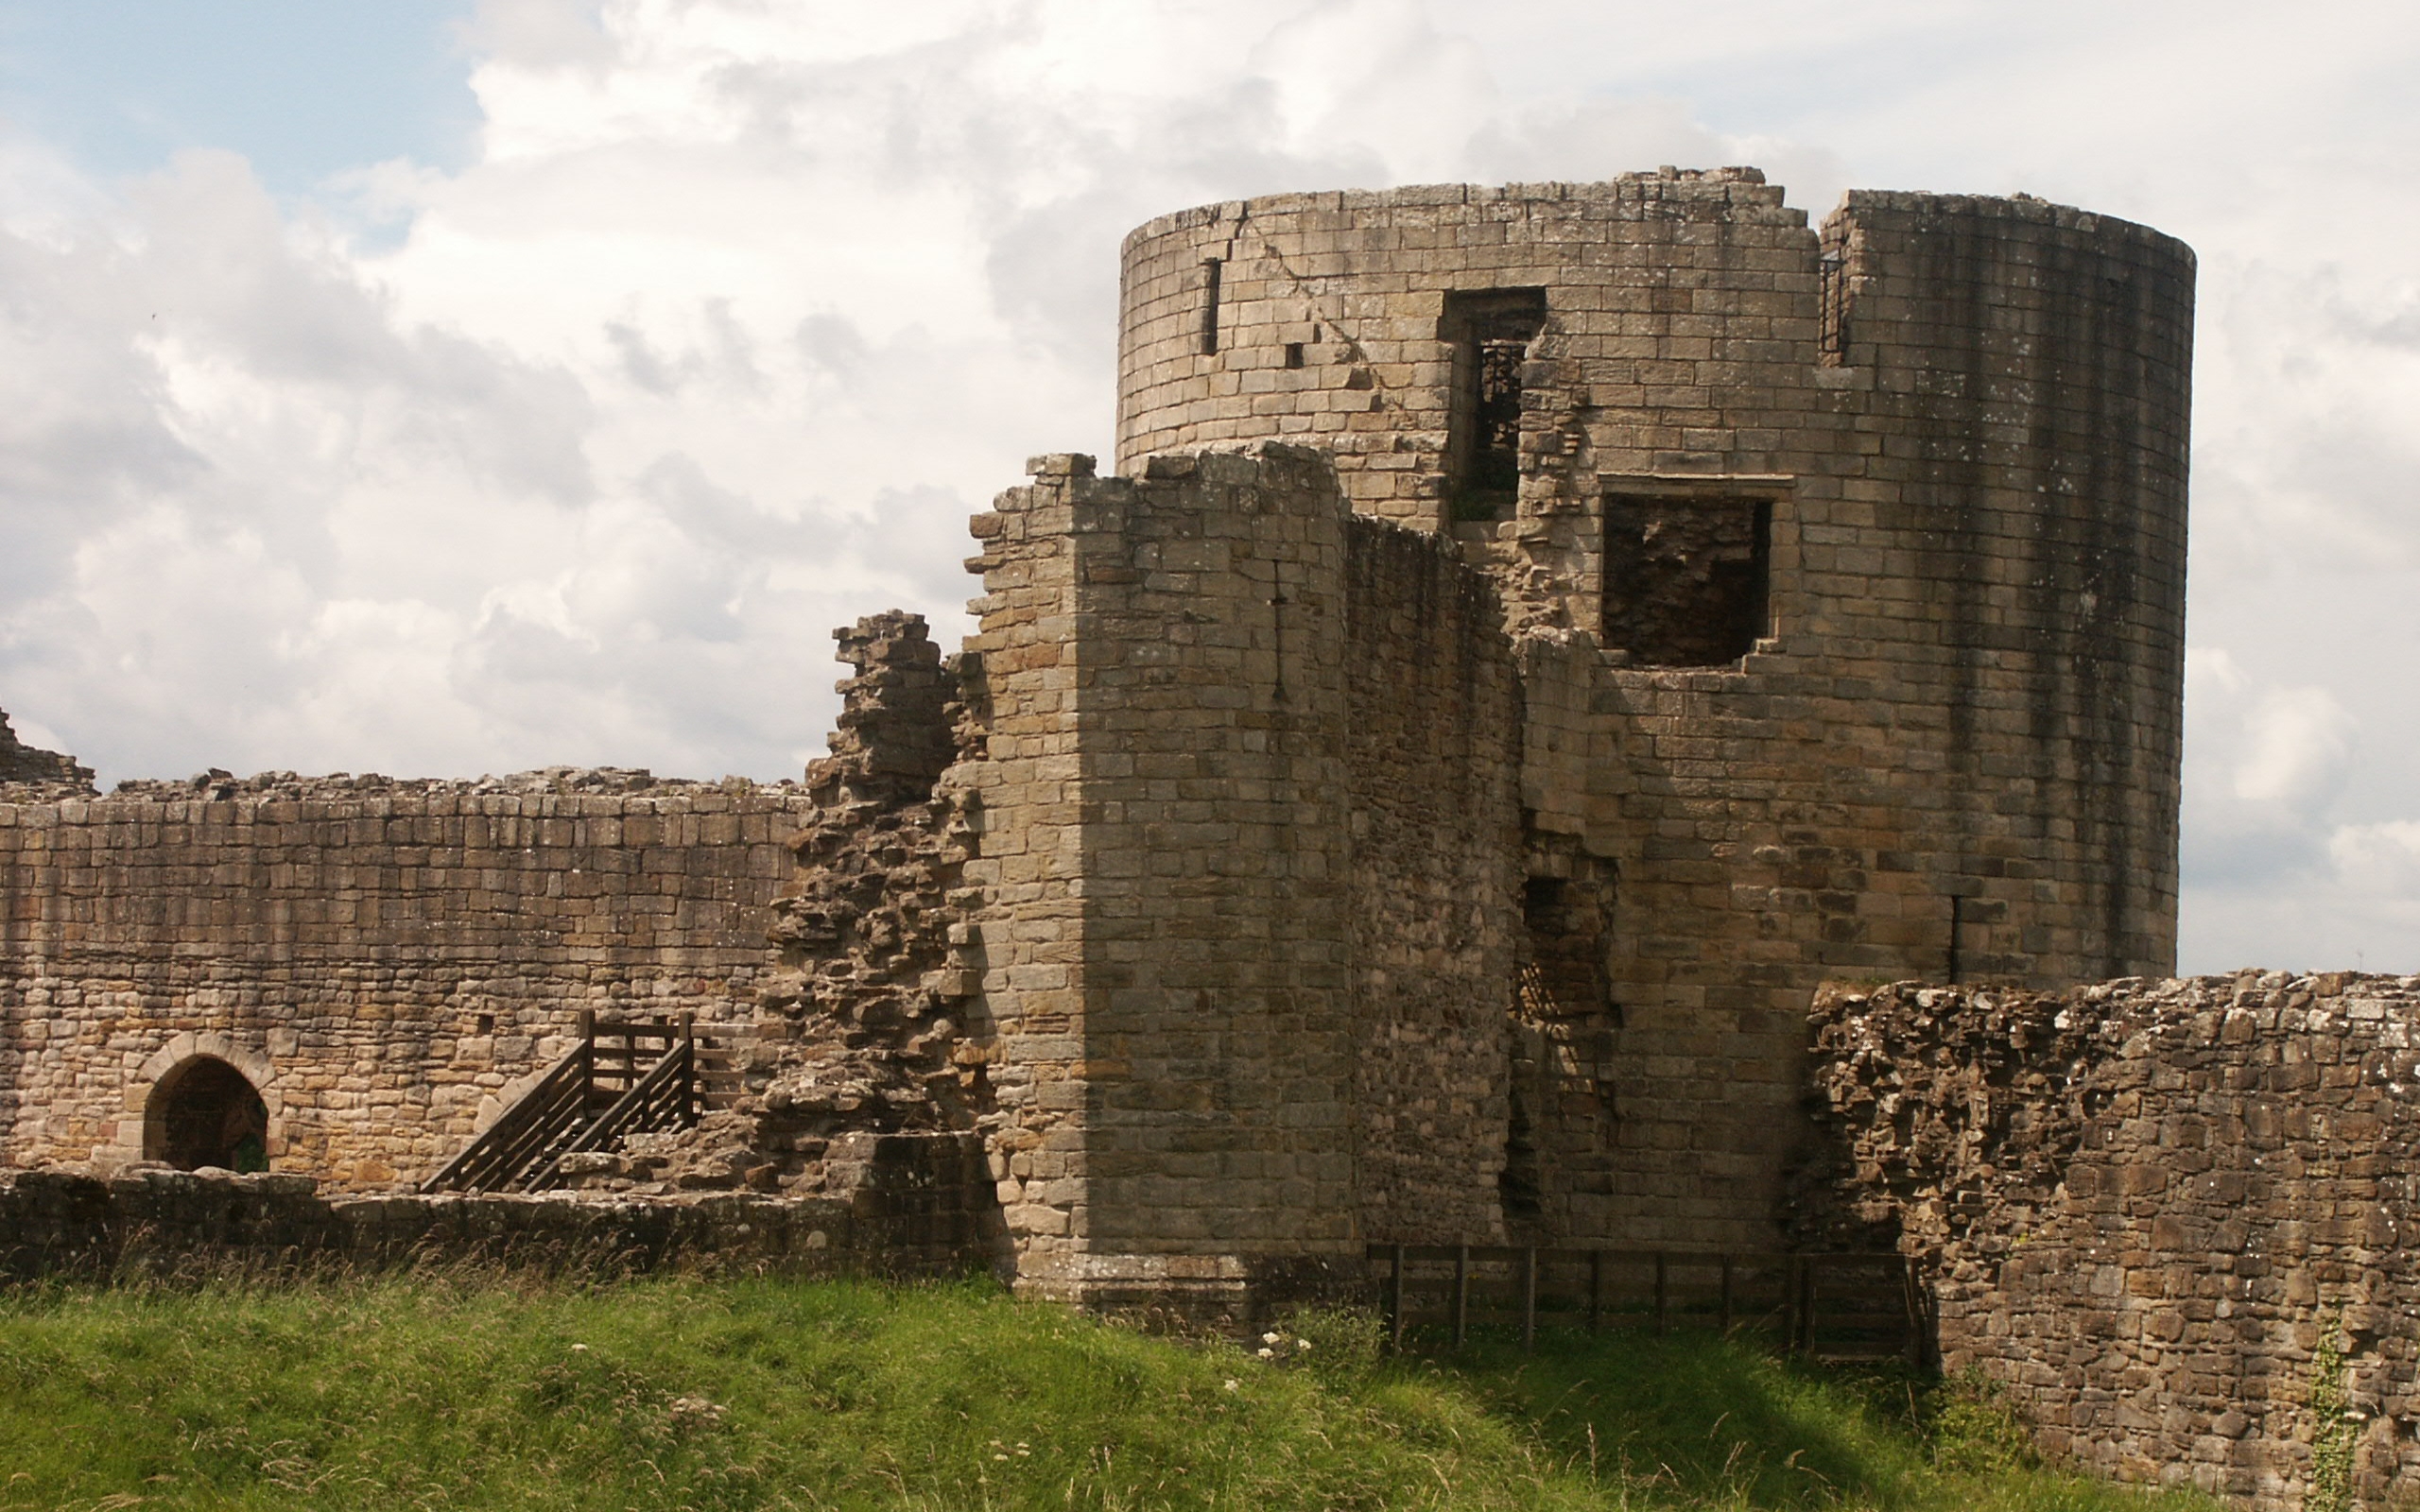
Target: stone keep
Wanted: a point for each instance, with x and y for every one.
(1849, 571)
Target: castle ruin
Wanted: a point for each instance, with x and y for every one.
(1536, 638)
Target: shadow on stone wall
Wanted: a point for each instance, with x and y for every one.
(928, 1212)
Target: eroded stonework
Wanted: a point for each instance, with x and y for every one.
(2167, 1216)
(30, 775)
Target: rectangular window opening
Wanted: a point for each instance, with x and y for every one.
(1688, 580)
(1489, 332)
(1293, 353)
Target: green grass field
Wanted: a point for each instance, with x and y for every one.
(495, 1393)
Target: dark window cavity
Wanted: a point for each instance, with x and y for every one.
(1210, 274)
(1293, 353)
(1686, 579)
(1489, 332)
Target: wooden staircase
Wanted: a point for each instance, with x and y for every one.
(625, 1077)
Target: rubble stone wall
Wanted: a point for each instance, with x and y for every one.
(1433, 741)
(2168, 1217)
(384, 962)
(925, 1217)
(29, 774)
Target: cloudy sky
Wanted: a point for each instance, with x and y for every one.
(449, 387)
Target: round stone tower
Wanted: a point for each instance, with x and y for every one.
(1851, 566)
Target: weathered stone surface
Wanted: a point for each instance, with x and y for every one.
(917, 1212)
(30, 775)
(1951, 743)
(385, 961)
(1549, 630)
(2145, 1204)
(862, 1025)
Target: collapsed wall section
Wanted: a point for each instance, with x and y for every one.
(30, 774)
(2169, 1218)
(381, 961)
(1433, 734)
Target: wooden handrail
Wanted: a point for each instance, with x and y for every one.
(589, 1098)
(664, 1098)
(488, 1160)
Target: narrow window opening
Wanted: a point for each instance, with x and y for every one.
(1489, 332)
(1956, 930)
(1293, 353)
(1688, 580)
(1836, 275)
(1211, 267)
(487, 1023)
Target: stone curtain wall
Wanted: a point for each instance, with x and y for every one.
(384, 964)
(2172, 1218)
(1433, 732)
(1956, 745)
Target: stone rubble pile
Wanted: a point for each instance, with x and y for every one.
(860, 1031)
(28, 774)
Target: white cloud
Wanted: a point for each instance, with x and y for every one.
(574, 452)
(2275, 874)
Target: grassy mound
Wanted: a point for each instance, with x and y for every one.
(486, 1393)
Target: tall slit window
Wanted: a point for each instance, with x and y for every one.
(1211, 270)
(1489, 332)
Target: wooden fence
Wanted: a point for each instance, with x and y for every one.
(1834, 1306)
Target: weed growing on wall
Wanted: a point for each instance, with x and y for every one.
(2333, 1426)
(1974, 1430)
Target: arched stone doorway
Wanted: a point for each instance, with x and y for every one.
(206, 1112)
